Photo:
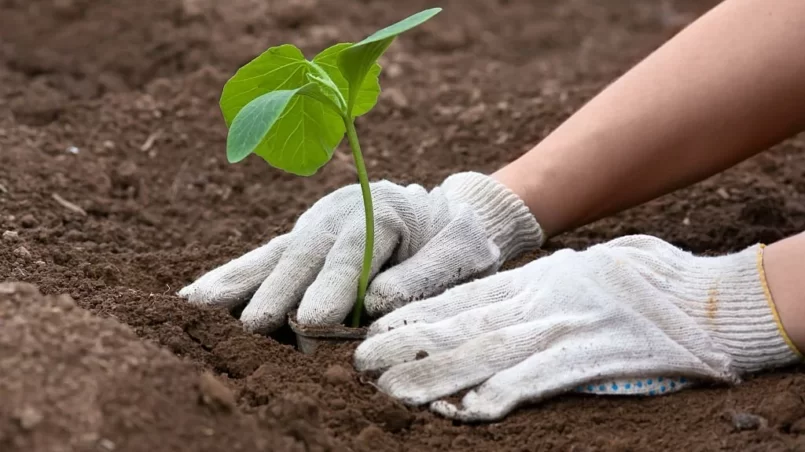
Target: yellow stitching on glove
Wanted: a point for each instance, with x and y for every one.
(771, 303)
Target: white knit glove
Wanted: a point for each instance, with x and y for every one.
(424, 241)
(601, 320)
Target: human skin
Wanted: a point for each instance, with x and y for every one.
(784, 264)
(727, 87)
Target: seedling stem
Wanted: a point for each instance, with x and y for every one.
(363, 178)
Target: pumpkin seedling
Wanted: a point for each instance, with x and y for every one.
(294, 112)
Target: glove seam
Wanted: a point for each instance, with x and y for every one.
(772, 306)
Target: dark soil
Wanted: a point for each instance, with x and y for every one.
(75, 381)
(112, 107)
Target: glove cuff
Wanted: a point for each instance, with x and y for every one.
(507, 220)
(741, 314)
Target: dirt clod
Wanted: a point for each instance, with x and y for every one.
(338, 404)
(22, 252)
(28, 221)
(371, 438)
(395, 418)
(337, 375)
(422, 354)
(798, 427)
(782, 409)
(11, 236)
(214, 393)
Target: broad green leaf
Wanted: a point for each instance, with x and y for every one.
(253, 123)
(278, 68)
(356, 61)
(289, 129)
(401, 26)
(366, 98)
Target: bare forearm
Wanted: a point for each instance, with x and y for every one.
(727, 87)
(784, 264)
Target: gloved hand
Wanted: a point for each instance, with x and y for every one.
(424, 241)
(600, 320)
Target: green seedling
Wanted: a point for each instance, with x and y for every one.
(294, 112)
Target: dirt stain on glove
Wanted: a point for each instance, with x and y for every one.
(712, 303)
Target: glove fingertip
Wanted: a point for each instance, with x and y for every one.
(195, 294)
(474, 407)
(374, 354)
(463, 414)
(309, 314)
(384, 295)
(363, 357)
(445, 408)
(327, 301)
(261, 322)
(398, 384)
(186, 291)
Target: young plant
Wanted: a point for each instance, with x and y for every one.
(294, 112)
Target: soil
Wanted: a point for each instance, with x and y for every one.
(115, 192)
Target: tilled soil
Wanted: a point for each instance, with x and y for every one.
(115, 192)
(75, 381)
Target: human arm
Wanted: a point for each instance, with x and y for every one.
(725, 88)
(784, 266)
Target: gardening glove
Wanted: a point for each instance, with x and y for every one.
(600, 320)
(425, 242)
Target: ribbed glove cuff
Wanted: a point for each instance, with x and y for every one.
(507, 220)
(739, 311)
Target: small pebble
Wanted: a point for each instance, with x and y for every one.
(29, 418)
(393, 70)
(473, 114)
(747, 421)
(106, 444)
(422, 354)
(11, 236)
(22, 252)
(397, 97)
(73, 150)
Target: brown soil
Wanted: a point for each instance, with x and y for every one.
(130, 87)
(75, 381)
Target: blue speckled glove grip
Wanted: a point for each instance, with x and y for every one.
(636, 386)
